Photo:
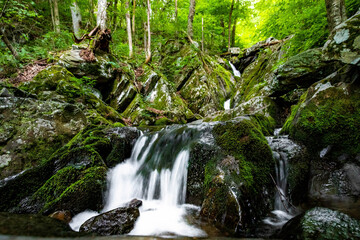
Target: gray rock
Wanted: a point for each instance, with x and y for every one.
(115, 222)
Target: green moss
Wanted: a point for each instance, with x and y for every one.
(329, 117)
(247, 144)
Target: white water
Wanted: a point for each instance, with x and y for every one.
(157, 177)
(227, 104)
(235, 71)
(283, 149)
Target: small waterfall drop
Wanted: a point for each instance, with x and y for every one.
(227, 104)
(156, 173)
(235, 71)
(283, 149)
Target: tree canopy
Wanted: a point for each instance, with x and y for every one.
(28, 24)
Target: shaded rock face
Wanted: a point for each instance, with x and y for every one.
(321, 223)
(115, 222)
(34, 225)
(344, 42)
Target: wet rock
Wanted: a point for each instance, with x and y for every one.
(115, 222)
(237, 183)
(64, 216)
(34, 226)
(321, 223)
(135, 203)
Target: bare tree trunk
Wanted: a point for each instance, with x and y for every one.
(76, 17)
(336, 12)
(145, 40)
(191, 18)
(9, 46)
(148, 48)
(230, 15)
(56, 16)
(202, 34)
(101, 14)
(133, 18)
(52, 13)
(128, 28)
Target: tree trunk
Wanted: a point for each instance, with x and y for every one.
(101, 14)
(133, 18)
(115, 11)
(230, 15)
(336, 12)
(148, 47)
(52, 13)
(202, 34)
(91, 12)
(56, 16)
(191, 18)
(176, 11)
(76, 17)
(233, 32)
(128, 28)
(9, 46)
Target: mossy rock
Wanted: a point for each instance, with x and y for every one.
(73, 189)
(344, 42)
(327, 115)
(240, 174)
(321, 223)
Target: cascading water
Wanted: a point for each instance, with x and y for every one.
(283, 149)
(227, 104)
(235, 71)
(156, 173)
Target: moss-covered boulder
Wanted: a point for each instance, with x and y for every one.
(321, 223)
(101, 68)
(237, 184)
(32, 129)
(344, 42)
(326, 120)
(201, 81)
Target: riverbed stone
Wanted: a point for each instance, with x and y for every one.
(115, 222)
(321, 223)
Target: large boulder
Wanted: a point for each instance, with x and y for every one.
(321, 223)
(344, 42)
(237, 183)
(115, 222)
(327, 120)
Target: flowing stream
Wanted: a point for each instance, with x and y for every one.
(283, 150)
(235, 71)
(156, 173)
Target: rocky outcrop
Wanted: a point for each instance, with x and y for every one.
(321, 223)
(115, 222)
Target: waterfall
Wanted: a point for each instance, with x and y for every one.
(235, 71)
(227, 104)
(156, 173)
(283, 149)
